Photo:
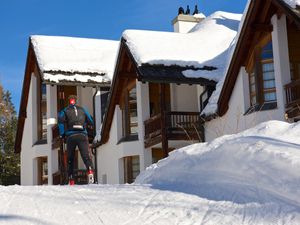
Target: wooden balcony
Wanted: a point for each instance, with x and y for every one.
(292, 91)
(177, 125)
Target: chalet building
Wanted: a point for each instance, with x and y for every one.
(162, 81)
(262, 80)
(214, 75)
(56, 68)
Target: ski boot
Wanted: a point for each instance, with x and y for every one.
(71, 181)
(90, 176)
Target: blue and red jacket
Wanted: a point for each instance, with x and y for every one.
(73, 120)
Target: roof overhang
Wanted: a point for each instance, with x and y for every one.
(127, 68)
(170, 74)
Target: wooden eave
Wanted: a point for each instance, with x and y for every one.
(90, 83)
(31, 63)
(257, 21)
(170, 74)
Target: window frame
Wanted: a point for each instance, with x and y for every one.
(255, 71)
(41, 131)
(129, 173)
(127, 135)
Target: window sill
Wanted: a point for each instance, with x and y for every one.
(40, 142)
(133, 137)
(264, 107)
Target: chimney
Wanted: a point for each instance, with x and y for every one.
(184, 22)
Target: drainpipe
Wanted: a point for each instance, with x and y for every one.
(94, 149)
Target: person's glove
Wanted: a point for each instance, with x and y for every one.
(62, 137)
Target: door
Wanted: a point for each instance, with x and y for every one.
(63, 92)
(154, 98)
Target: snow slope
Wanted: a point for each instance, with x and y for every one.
(248, 178)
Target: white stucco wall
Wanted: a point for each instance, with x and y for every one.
(184, 98)
(110, 155)
(235, 119)
(27, 163)
(85, 97)
(281, 60)
(31, 151)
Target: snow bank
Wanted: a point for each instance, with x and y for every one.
(259, 165)
(81, 55)
(205, 45)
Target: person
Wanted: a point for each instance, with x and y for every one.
(72, 122)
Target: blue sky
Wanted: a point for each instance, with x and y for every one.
(105, 19)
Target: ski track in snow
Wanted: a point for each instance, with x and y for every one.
(131, 204)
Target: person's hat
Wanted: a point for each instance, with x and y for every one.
(72, 99)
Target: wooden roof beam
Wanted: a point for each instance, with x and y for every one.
(261, 27)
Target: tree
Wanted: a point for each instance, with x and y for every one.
(9, 161)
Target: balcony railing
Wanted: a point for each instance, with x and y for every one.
(292, 91)
(178, 125)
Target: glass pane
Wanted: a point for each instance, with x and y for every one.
(270, 96)
(133, 111)
(268, 76)
(44, 111)
(268, 67)
(269, 84)
(267, 51)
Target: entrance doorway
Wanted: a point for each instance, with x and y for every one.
(63, 92)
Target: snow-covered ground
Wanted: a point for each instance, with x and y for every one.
(249, 178)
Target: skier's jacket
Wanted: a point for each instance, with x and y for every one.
(73, 120)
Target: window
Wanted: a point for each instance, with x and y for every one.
(262, 78)
(129, 112)
(42, 170)
(131, 168)
(42, 113)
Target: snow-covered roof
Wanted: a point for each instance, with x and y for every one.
(75, 59)
(205, 45)
(212, 105)
(292, 3)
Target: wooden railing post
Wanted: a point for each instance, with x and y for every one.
(164, 138)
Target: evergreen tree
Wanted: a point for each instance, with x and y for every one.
(9, 161)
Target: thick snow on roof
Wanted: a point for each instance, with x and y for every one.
(75, 55)
(212, 106)
(205, 45)
(293, 3)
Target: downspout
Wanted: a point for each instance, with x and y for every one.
(94, 149)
